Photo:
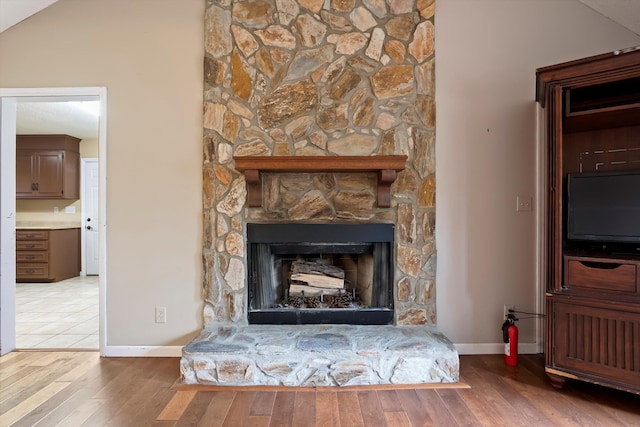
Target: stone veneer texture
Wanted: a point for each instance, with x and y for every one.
(319, 78)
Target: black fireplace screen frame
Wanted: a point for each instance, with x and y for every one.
(265, 240)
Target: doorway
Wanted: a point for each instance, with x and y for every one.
(10, 99)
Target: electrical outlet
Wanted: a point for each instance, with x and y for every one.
(506, 308)
(161, 314)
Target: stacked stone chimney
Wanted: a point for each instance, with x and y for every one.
(319, 78)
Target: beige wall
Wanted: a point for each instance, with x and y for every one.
(89, 148)
(148, 54)
(486, 56)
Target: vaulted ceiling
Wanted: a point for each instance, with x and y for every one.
(14, 11)
(37, 117)
(624, 12)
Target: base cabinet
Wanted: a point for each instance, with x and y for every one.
(47, 255)
(595, 341)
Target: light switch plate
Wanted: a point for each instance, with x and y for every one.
(524, 204)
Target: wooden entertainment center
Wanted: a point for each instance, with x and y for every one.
(592, 124)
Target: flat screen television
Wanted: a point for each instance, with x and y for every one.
(604, 208)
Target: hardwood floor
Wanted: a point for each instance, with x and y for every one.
(81, 389)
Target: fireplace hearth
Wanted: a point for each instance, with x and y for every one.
(284, 345)
(363, 295)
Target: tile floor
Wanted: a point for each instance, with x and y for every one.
(58, 315)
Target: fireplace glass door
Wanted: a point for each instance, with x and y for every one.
(320, 273)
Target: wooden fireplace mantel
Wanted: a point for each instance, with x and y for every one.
(386, 167)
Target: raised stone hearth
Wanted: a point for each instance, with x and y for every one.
(319, 355)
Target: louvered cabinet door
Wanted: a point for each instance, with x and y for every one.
(602, 343)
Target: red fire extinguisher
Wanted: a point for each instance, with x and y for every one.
(510, 338)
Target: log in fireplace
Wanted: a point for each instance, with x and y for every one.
(347, 278)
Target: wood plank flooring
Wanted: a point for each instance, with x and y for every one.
(81, 389)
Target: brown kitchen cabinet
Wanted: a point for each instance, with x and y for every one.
(592, 127)
(47, 167)
(47, 255)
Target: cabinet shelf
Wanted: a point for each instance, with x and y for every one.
(386, 167)
(602, 118)
(605, 105)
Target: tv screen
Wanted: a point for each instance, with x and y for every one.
(604, 207)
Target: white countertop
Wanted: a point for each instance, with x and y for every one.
(42, 225)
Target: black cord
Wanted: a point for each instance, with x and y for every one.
(525, 312)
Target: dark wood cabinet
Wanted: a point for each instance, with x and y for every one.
(47, 167)
(592, 125)
(47, 255)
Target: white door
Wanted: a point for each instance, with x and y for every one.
(90, 216)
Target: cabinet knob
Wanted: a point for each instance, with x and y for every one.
(89, 227)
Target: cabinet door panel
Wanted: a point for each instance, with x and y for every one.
(50, 179)
(598, 341)
(24, 173)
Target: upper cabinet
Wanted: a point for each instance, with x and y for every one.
(47, 167)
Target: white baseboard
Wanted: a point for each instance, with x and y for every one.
(495, 348)
(142, 351)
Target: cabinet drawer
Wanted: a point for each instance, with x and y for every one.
(32, 234)
(32, 271)
(605, 275)
(35, 245)
(32, 256)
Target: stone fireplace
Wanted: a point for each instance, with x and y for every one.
(318, 79)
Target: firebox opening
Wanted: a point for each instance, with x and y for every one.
(320, 273)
